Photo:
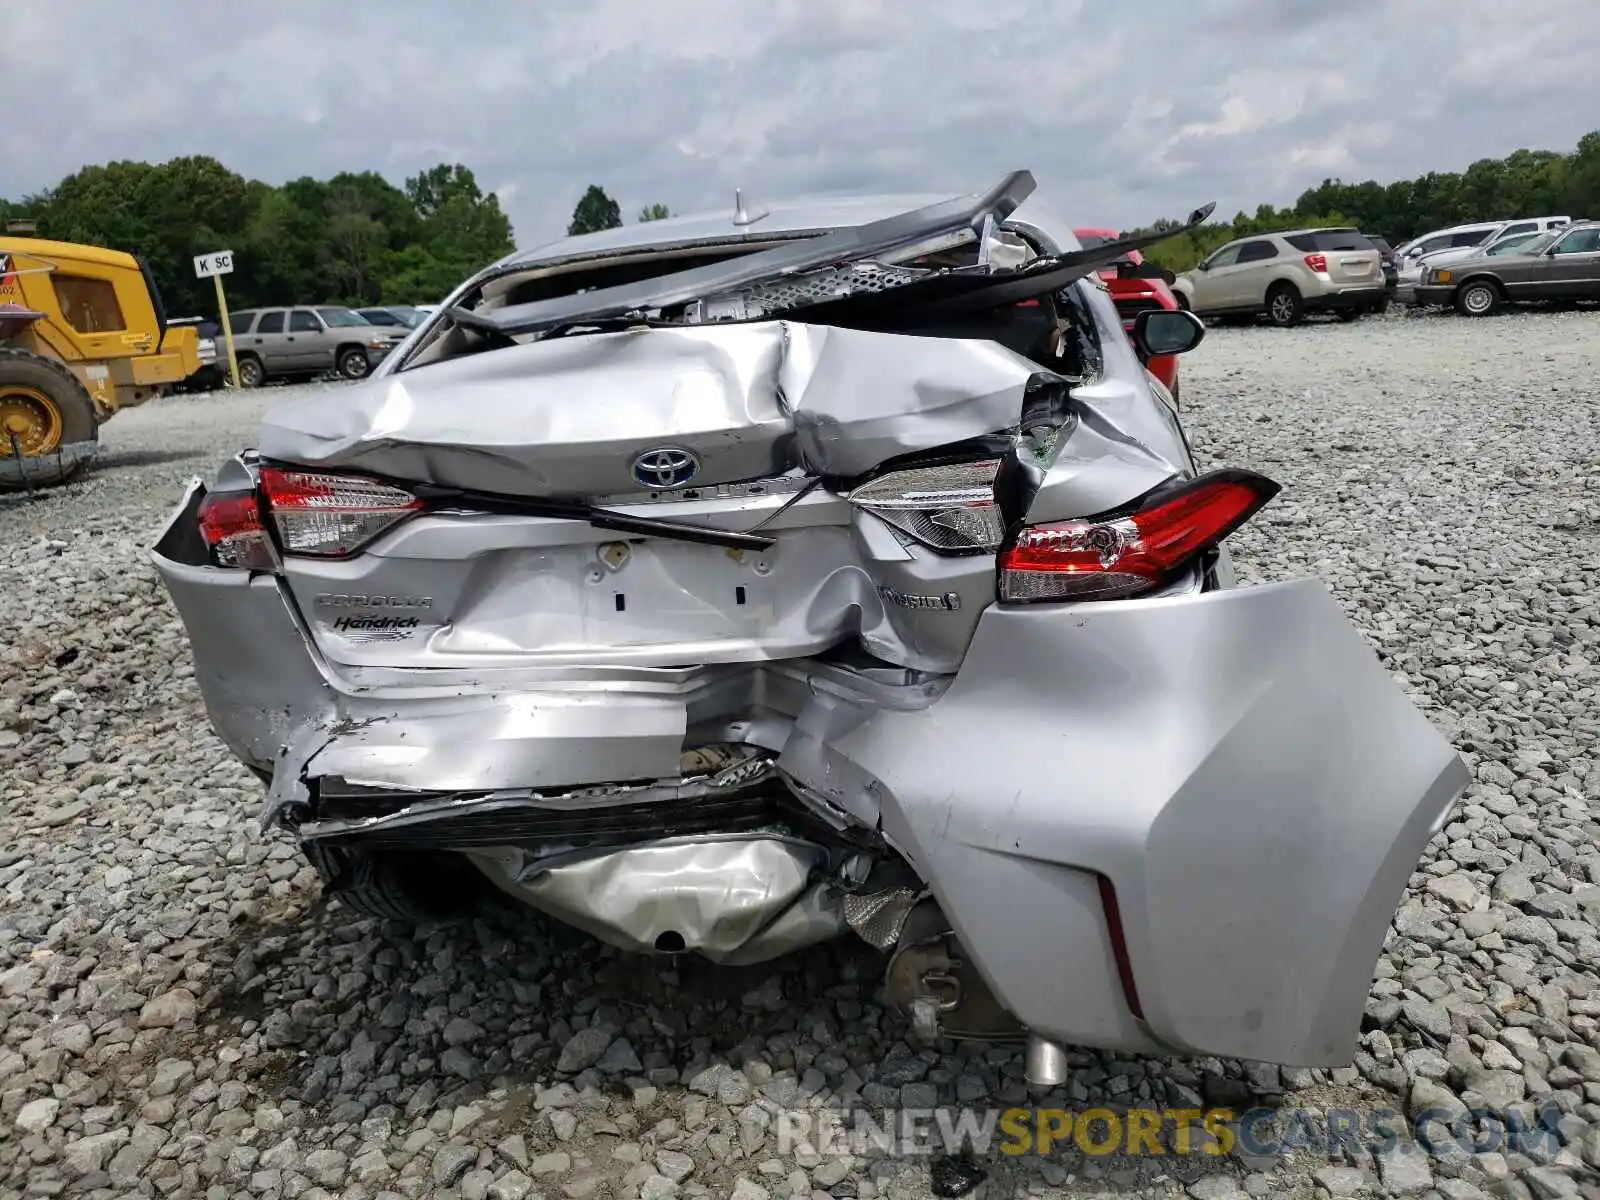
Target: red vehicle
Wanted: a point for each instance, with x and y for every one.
(1136, 285)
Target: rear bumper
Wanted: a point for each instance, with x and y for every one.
(1236, 766)
(1346, 299)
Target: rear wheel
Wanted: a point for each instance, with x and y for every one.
(354, 364)
(1477, 299)
(47, 417)
(1183, 301)
(251, 372)
(413, 887)
(1285, 308)
(1350, 314)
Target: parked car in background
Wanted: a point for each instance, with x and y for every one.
(1286, 276)
(1137, 286)
(1507, 243)
(275, 343)
(1478, 233)
(213, 353)
(1390, 263)
(1563, 265)
(394, 316)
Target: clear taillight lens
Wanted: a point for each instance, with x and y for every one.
(331, 515)
(1118, 557)
(230, 523)
(950, 507)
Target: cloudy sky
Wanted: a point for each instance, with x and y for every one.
(1124, 111)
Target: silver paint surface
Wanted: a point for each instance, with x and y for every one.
(1236, 763)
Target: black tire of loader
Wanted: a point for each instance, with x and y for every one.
(72, 401)
(412, 887)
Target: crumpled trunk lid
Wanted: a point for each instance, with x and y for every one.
(568, 416)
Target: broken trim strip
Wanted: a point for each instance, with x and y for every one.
(599, 518)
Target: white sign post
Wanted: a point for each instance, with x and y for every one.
(214, 266)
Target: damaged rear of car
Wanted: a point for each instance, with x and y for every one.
(729, 587)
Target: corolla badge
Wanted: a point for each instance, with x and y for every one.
(665, 467)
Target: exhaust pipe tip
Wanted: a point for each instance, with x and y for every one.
(1045, 1064)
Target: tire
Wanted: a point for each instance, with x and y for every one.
(412, 887)
(1350, 314)
(46, 408)
(1379, 307)
(1285, 307)
(1183, 301)
(354, 364)
(251, 373)
(1477, 298)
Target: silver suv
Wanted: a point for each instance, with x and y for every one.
(1286, 276)
(274, 343)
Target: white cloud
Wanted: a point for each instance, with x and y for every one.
(1125, 112)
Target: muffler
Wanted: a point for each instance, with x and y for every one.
(734, 898)
(1045, 1064)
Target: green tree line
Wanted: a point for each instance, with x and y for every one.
(1526, 183)
(353, 239)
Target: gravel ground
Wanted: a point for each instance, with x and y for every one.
(181, 1015)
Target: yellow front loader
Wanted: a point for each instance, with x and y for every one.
(82, 334)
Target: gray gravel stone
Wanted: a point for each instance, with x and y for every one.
(1405, 1172)
(1215, 1187)
(1342, 1181)
(584, 1049)
(172, 981)
(674, 1164)
(556, 1162)
(450, 1163)
(168, 1009)
(38, 1115)
(513, 1185)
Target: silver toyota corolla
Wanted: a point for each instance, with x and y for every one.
(726, 585)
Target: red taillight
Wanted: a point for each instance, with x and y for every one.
(1317, 263)
(1121, 556)
(331, 515)
(230, 523)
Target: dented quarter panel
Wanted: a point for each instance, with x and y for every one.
(1238, 764)
(260, 683)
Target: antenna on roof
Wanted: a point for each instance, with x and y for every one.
(741, 215)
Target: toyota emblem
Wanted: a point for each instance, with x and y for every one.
(665, 467)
